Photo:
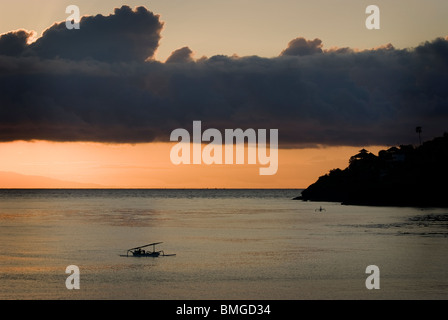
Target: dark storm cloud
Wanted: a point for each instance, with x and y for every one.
(333, 97)
(14, 43)
(126, 35)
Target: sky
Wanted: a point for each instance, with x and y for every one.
(97, 105)
(253, 27)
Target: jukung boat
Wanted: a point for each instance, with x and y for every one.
(140, 252)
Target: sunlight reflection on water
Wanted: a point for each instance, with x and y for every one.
(229, 244)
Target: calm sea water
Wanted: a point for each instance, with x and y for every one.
(229, 244)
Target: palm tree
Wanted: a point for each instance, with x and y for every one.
(419, 131)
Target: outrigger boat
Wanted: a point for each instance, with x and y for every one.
(140, 252)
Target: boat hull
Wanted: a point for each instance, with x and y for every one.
(146, 254)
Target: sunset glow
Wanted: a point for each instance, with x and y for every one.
(148, 166)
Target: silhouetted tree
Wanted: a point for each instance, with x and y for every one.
(419, 131)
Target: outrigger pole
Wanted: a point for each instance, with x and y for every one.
(147, 245)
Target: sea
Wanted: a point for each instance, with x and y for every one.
(229, 244)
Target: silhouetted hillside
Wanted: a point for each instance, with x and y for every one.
(403, 176)
(12, 180)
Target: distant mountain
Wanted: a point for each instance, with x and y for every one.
(399, 176)
(11, 180)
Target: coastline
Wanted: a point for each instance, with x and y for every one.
(404, 176)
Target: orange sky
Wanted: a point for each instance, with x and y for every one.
(148, 166)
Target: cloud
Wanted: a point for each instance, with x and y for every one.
(302, 47)
(126, 35)
(14, 43)
(339, 50)
(312, 95)
(181, 55)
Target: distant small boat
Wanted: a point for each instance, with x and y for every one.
(140, 252)
(320, 209)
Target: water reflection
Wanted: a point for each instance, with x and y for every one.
(242, 244)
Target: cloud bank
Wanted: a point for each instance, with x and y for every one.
(102, 83)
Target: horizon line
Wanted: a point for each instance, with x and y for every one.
(146, 188)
